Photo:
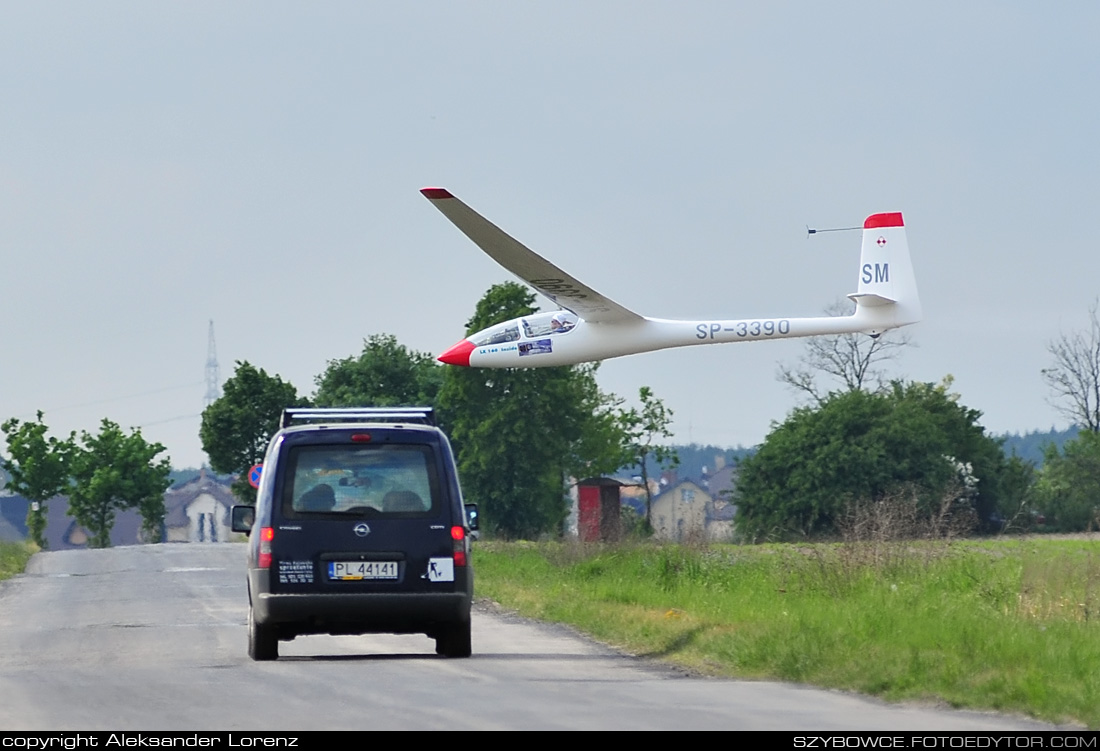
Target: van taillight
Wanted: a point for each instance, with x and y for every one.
(267, 534)
(458, 534)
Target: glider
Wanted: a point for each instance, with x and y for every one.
(592, 327)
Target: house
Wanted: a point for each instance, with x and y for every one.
(195, 511)
(62, 531)
(198, 510)
(701, 511)
(679, 513)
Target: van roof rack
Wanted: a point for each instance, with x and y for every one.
(302, 415)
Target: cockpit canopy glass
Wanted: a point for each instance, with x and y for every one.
(534, 327)
(548, 324)
(499, 334)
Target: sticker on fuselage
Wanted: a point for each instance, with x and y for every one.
(539, 347)
(296, 572)
(441, 569)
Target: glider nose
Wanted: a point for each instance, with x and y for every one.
(458, 354)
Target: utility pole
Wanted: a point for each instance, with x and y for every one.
(213, 387)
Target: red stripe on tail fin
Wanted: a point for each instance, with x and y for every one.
(884, 220)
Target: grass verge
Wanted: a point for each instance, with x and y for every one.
(1012, 626)
(14, 557)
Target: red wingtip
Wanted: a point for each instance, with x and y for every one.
(876, 221)
(458, 354)
(436, 193)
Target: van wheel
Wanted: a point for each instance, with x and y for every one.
(454, 641)
(263, 644)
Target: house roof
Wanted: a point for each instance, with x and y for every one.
(62, 531)
(721, 511)
(680, 483)
(13, 528)
(601, 481)
(180, 497)
(723, 482)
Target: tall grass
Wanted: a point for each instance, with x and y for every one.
(14, 557)
(1010, 626)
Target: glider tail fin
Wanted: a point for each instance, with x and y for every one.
(887, 294)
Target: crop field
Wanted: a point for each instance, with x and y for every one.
(1005, 625)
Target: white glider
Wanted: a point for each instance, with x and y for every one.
(592, 327)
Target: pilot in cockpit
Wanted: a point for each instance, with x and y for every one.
(559, 323)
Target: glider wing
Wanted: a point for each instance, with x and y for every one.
(529, 266)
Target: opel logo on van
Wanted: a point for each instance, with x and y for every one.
(362, 530)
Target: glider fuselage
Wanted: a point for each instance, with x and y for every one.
(594, 341)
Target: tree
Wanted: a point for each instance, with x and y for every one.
(1074, 378)
(113, 471)
(238, 426)
(603, 445)
(518, 433)
(857, 446)
(385, 374)
(1068, 489)
(852, 360)
(38, 469)
(643, 428)
(1017, 493)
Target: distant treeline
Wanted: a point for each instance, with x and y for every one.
(694, 457)
(1029, 446)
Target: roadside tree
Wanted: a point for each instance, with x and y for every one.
(603, 445)
(38, 468)
(384, 374)
(113, 471)
(1074, 378)
(849, 362)
(518, 433)
(1068, 489)
(645, 428)
(238, 426)
(858, 446)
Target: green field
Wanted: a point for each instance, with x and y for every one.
(1012, 626)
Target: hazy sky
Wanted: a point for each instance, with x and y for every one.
(258, 164)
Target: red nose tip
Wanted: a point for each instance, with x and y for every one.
(458, 354)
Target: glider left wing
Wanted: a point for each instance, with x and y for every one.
(529, 266)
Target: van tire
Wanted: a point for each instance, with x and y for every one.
(263, 643)
(455, 640)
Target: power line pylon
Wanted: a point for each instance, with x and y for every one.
(213, 389)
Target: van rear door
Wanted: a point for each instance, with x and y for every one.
(363, 512)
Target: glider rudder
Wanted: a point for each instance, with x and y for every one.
(886, 294)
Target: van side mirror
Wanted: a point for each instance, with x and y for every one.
(242, 518)
(471, 517)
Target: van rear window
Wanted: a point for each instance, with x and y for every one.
(376, 480)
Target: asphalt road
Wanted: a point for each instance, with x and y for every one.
(153, 638)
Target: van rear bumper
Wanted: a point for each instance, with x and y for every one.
(360, 613)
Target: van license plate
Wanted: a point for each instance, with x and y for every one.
(359, 570)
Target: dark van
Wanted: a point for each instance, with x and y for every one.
(359, 527)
